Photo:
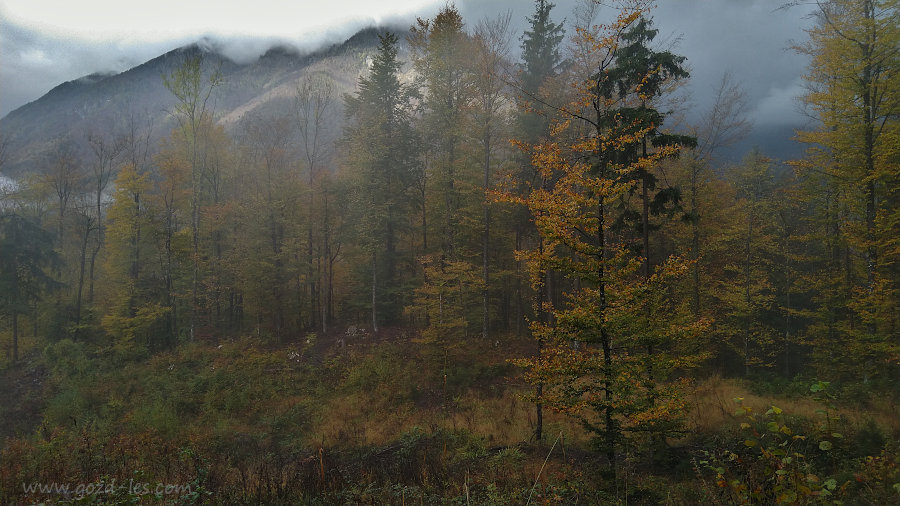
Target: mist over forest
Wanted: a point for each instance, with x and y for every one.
(454, 261)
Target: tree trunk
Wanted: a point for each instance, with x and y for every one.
(486, 237)
(374, 279)
(94, 254)
(695, 240)
(136, 260)
(310, 279)
(81, 277)
(645, 223)
(15, 334)
(542, 318)
(609, 421)
(520, 313)
(326, 276)
(747, 297)
(170, 299)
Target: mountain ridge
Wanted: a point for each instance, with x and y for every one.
(99, 102)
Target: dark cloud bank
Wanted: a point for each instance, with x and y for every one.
(748, 38)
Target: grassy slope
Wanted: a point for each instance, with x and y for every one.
(382, 419)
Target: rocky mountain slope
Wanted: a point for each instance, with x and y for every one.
(109, 104)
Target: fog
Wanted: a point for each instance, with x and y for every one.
(42, 47)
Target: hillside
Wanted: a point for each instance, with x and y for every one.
(105, 103)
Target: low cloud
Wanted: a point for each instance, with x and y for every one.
(780, 106)
(747, 37)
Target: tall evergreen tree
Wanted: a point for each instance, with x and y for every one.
(638, 78)
(381, 150)
(26, 249)
(440, 52)
(541, 60)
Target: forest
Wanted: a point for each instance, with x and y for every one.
(493, 279)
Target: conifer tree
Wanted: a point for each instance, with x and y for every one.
(541, 60)
(381, 151)
(440, 49)
(26, 250)
(603, 381)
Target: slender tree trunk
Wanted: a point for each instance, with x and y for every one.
(136, 249)
(310, 280)
(645, 224)
(450, 203)
(609, 421)
(869, 119)
(611, 431)
(486, 238)
(15, 334)
(195, 230)
(520, 314)
(424, 230)
(787, 327)
(195, 274)
(747, 297)
(326, 276)
(80, 291)
(170, 298)
(424, 211)
(94, 254)
(59, 226)
(374, 280)
(542, 317)
(695, 240)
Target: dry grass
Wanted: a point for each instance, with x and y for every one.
(506, 420)
(713, 406)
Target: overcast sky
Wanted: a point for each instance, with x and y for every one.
(46, 42)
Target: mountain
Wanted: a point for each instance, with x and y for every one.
(104, 104)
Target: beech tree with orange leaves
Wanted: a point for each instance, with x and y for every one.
(591, 363)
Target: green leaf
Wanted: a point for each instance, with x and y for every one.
(776, 409)
(750, 443)
(825, 446)
(830, 484)
(788, 497)
(772, 426)
(837, 435)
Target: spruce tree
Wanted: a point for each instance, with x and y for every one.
(380, 145)
(541, 60)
